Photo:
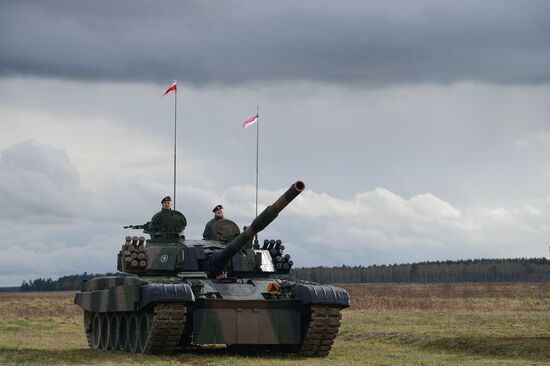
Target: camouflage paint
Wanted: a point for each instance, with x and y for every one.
(119, 298)
(179, 290)
(246, 326)
(162, 258)
(101, 283)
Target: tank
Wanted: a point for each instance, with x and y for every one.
(173, 294)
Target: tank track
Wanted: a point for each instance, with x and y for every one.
(168, 329)
(321, 332)
(163, 330)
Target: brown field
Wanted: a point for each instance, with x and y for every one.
(388, 324)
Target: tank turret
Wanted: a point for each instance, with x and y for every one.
(219, 261)
(163, 254)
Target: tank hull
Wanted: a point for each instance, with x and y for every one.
(168, 315)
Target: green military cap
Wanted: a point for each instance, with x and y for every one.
(167, 198)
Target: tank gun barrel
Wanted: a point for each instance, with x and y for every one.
(219, 261)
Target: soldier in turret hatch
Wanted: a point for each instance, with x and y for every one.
(218, 215)
(166, 223)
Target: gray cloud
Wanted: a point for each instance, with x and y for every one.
(86, 137)
(348, 42)
(37, 182)
(456, 142)
(373, 226)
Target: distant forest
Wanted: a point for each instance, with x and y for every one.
(471, 270)
(65, 283)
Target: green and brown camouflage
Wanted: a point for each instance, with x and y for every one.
(173, 294)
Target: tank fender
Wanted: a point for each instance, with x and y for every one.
(321, 294)
(166, 292)
(118, 298)
(101, 283)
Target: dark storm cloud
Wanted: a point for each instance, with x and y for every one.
(377, 42)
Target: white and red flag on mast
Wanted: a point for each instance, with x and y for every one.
(250, 121)
(171, 88)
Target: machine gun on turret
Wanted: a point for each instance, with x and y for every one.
(136, 227)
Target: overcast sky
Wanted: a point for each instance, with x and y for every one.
(421, 129)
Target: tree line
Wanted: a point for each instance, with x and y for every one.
(470, 270)
(64, 283)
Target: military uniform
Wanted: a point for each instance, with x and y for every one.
(208, 234)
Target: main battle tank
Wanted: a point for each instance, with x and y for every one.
(174, 294)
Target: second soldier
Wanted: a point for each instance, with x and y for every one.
(218, 215)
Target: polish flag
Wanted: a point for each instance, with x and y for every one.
(171, 88)
(250, 121)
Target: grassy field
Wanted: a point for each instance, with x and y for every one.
(396, 324)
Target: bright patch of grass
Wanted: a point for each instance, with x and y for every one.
(26, 325)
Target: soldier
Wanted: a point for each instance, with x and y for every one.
(167, 222)
(218, 215)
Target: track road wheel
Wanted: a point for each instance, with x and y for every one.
(114, 331)
(145, 325)
(96, 331)
(105, 320)
(133, 333)
(122, 332)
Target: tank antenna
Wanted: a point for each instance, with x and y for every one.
(256, 244)
(175, 129)
(257, 152)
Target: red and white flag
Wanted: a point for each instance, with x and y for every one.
(171, 88)
(250, 121)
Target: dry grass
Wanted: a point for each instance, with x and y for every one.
(37, 305)
(390, 324)
(451, 296)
